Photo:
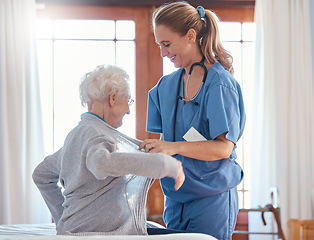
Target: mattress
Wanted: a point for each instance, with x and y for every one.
(48, 232)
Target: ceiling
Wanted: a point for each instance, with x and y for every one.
(212, 3)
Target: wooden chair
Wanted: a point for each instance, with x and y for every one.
(301, 229)
(267, 208)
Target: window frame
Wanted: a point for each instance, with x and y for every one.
(149, 64)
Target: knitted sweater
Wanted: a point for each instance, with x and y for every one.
(93, 167)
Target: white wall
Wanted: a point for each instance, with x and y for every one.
(311, 9)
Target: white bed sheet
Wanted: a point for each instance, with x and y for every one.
(48, 232)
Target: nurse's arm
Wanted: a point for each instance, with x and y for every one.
(210, 150)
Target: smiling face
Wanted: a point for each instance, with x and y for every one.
(181, 50)
(119, 107)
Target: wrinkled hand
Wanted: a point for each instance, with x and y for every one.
(158, 146)
(181, 176)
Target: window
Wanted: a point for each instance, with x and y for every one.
(238, 38)
(67, 49)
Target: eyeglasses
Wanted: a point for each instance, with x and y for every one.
(130, 102)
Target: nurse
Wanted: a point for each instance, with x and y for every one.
(200, 115)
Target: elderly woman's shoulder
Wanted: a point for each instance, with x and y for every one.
(103, 136)
(92, 130)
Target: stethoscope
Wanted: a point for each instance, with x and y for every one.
(201, 63)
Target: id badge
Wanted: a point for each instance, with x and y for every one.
(193, 135)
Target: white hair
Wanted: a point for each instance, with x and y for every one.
(103, 81)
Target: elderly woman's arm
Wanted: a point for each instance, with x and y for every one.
(46, 177)
(103, 160)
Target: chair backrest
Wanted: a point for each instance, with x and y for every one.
(301, 229)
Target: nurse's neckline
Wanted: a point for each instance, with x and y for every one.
(208, 65)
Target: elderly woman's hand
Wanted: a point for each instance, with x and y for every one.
(181, 176)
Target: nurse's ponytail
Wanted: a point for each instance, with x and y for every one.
(211, 45)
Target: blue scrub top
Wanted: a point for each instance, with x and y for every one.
(220, 110)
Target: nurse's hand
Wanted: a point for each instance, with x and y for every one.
(158, 146)
(181, 176)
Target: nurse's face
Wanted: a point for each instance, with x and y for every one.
(179, 49)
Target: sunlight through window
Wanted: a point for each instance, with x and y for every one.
(67, 49)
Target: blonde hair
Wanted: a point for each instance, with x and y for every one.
(180, 17)
(103, 81)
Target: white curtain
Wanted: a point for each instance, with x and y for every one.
(283, 136)
(21, 136)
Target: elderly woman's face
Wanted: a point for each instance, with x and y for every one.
(120, 109)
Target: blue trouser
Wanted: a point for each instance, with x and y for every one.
(214, 215)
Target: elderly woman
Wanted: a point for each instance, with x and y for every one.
(94, 169)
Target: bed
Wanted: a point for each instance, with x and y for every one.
(48, 232)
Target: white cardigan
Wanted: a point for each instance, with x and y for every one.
(99, 195)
